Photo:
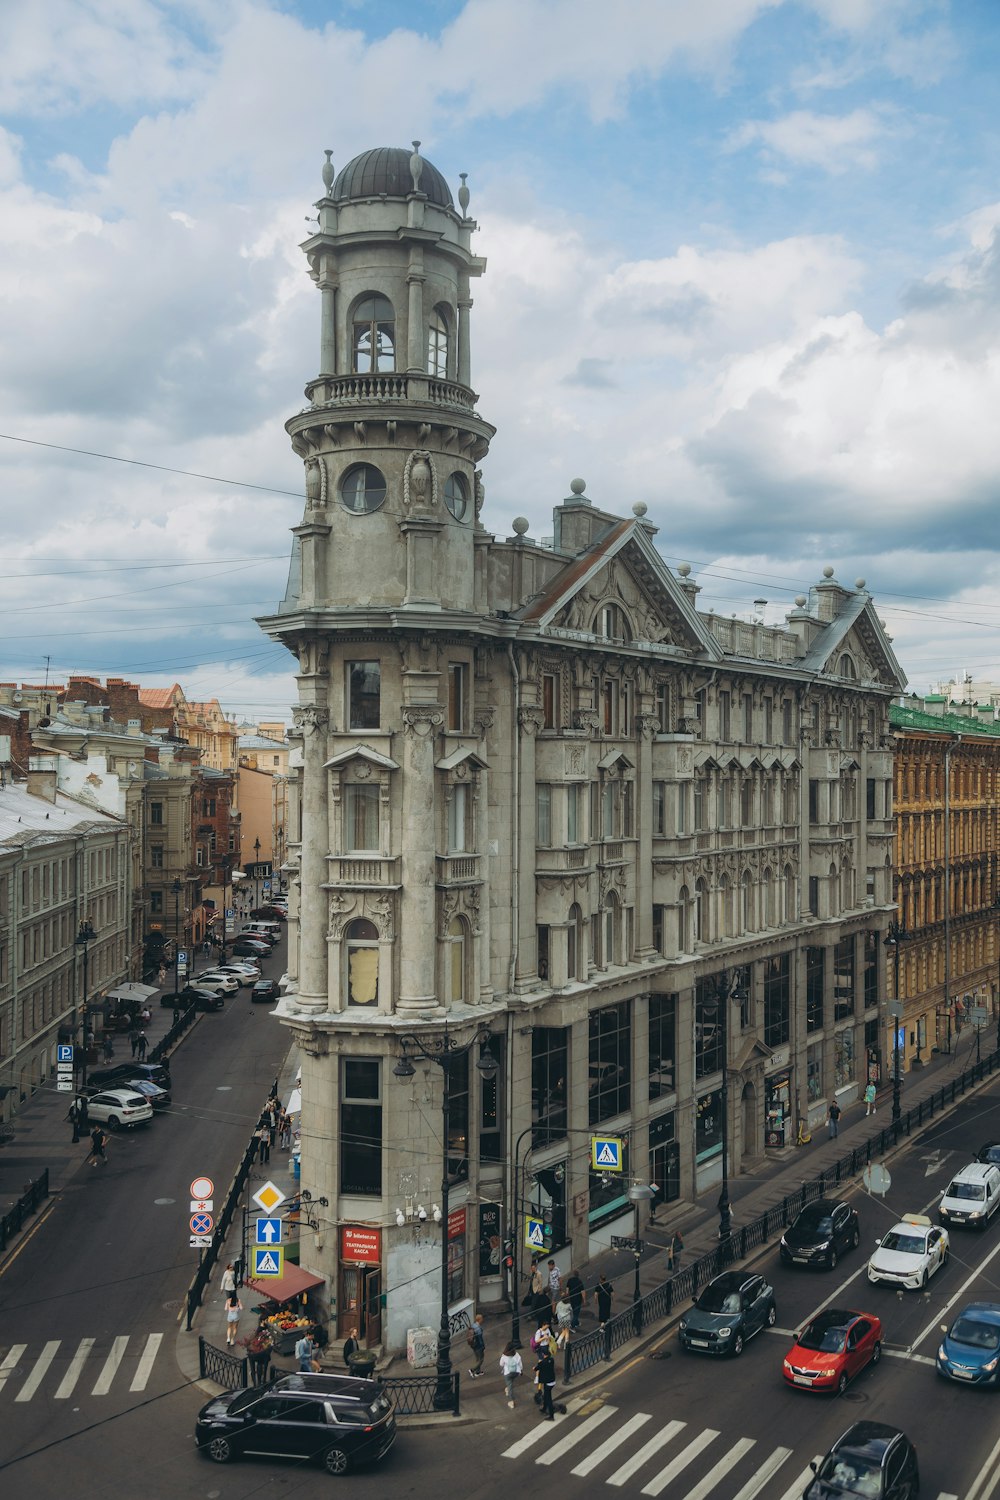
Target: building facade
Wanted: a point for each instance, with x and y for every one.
(539, 793)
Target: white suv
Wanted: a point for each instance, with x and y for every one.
(972, 1196)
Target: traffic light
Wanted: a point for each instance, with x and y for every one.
(547, 1228)
(508, 1254)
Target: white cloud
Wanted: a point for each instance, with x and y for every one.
(835, 143)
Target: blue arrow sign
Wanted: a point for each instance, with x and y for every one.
(268, 1231)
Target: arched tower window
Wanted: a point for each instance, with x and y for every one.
(454, 961)
(362, 962)
(374, 340)
(437, 344)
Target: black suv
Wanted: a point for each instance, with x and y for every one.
(729, 1310)
(109, 1078)
(870, 1459)
(823, 1231)
(335, 1420)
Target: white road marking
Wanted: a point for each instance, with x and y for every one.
(725, 1466)
(528, 1441)
(795, 1491)
(73, 1369)
(624, 1474)
(610, 1444)
(985, 1483)
(145, 1367)
(37, 1375)
(769, 1467)
(686, 1456)
(114, 1359)
(941, 1314)
(567, 1444)
(11, 1361)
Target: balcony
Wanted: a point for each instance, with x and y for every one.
(458, 869)
(561, 861)
(388, 389)
(364, 870)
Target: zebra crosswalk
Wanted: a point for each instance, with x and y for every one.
(60, 1372)
(674, 1459)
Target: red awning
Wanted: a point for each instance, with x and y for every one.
(284, 1288)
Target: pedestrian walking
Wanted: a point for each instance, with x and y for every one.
(604, 1292)
(140, 1050)
(351, 1346)
(476, 1340)
(511, 1368)
(284, 1131)
(577, 1296)
(870, 1099)
(109, 1047)
(554, 1282)
(545, 1379)
(264, 1140)
(539, 1293)
(234, 1308)
(259, 1355)
(833, 1119)
(564, 1313)
(305, 1353)
(133, 1036)
(98, 1147)
(674, 1250)
(228, 1282)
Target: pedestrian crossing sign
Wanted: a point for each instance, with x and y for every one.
(268, 1262)
(606, 1153)
(534, 1233)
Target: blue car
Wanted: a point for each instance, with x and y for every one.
(970, 1349)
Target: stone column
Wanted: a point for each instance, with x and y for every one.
(311, 720)
(464, 334)
(418, 915)
(328, 326)
(646, 725)
(415, 351)
(529, 722)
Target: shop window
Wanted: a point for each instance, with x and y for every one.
(456, 1254)
(549, 1072)
(777, 1000)
(546, 1200)
(843, 979)
(458, 1118)
(363, 694)
(361, 814)
(814, 1072)
(708, 1127)
(360, 1127)
(664, 1162)
(869, 973)
(361, 940)
(815, 974)
(843, 1058)
(708, 1024)
(610, 1062)
(662, 1045)
(491, 1142)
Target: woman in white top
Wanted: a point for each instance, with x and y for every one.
(510, 1368)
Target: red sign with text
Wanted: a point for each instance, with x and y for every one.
(456, 1223)
(360, 1244)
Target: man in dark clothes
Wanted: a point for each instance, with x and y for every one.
(545, 1374)
(603, 1291)
(577, 1296)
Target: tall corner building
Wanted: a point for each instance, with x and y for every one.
(539, 792)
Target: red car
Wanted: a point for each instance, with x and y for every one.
(832, 1349)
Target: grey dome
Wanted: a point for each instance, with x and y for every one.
(386, 169)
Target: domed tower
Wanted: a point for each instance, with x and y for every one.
(391, 438)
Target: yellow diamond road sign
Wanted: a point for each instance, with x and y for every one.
(269, 1196)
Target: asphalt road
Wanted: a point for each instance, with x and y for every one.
(89, 1382)
(111, 1262)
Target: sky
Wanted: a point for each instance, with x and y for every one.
(743, 265)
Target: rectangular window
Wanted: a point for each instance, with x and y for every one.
(682, 810)
(786, 721)
(747, 718)
(156, 812)
(843, 979)
(458, 1118)
(708, 1024)
(659, 808)
(491, 1117)
(549, 1072)
(815, 974)
(870, 797)
(814, 1072)
(725, 802)
(869, 976)
(768, 721)
(156, 902)
(708, 1127)
(360, 1127)
(843, 1058)
(573, 813)
(456, 696)
(156, 856)
(608, 810)
(458, 829)
(609, 707)
(543, 815)
(628, 801)
(699, 805)
(550, 700)
(607, 1191)
(814, 895)
(746, 803)
(662, 708)
(725, 722)
(777, 1000)
(659, 929)
(662, 1045)
(364, 694)
(625, 717)
(610, 1062)
(361, 818)
(813, 801)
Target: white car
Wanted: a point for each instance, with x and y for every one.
(973, 1196)
(118, 1107)
(910, 1253)
(245, 972)
(218, 979)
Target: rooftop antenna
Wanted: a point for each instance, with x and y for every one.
(48, 661)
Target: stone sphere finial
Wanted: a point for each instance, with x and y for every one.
(328, 172)
(859, 583)
(828, 571)
(800, 601)
(520, 525)
(684, 569)
(640, 508)
(577, 486)
(463, 196)
(416, 166)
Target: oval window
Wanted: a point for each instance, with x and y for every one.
(362, 488)
(456, 495)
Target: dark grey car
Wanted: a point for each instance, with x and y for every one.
(727, 1312)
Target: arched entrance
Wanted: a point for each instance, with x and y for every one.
(751, 1129)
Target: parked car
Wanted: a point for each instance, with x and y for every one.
(123, 1073)
(243, 970)
(727, 1312)
(271, 913)
(265, 989)
(910, 1253)
(158, 1097)
(333, 1420)
(119, 1107)
(227, 983)
(266, 932)
(251, 948)
(823, 1231)
(970, 1349)
(989, 1152)
(972, 1196)
(832, 1349)
(870, 1459)
(197, 996)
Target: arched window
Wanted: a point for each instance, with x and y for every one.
(454, 961)
(727, 908)
(767, 898)
(437, 344)
(574, 942)
(791, 911)
(374, 340)
(746, 901)
(684, 920)
(612, 925)
(361, 938)
(612, 623)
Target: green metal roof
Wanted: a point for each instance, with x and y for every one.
(915, 718)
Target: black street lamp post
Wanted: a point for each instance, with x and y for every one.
(227, 865)
(177, 888)
(84, 938)
(443, 1050)
(896, 935)
(639, 1193)
(256, 872)
(729, 987)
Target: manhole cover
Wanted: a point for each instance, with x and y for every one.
(661, 1354)
(858, 1397)
(161, 1201)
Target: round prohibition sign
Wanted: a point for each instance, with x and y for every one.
(202, 1223)
(203, 1187)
